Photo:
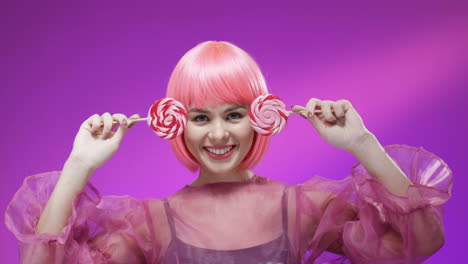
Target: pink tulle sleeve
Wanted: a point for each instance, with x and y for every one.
(358, 220)
(101, 229)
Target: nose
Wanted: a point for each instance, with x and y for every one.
(218, 132)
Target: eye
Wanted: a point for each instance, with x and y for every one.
(200, 118)
(234, 116)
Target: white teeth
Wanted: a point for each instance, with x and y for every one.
(219, 151)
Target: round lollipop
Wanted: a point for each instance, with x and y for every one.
(268, 115)
(167, 117)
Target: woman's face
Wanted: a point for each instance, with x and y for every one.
(219, 137)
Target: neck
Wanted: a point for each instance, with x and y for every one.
(207, 177)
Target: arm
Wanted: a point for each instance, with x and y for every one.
(62, 230)
(378, 163)
(72, 181)
(400, 216)
(413, 222)
(341, 126)
(382, 167)
(100, 228)
(94, 144)
(360, 218)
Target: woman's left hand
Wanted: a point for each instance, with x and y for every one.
(339, 124)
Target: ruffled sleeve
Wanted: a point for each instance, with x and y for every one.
(359, 220)
(101, 229)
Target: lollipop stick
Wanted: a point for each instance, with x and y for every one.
(316, 111)
(130, 121)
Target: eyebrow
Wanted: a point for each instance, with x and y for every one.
(234, 107)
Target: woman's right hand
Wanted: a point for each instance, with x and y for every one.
(93, 146)
(95, 143)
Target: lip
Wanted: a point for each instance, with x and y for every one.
(219, 147)
(220, 157)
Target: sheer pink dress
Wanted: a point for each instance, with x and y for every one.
(354, 220)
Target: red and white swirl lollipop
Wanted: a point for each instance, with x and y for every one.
(167, 117)
(268, 115)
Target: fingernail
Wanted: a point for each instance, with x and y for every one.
(293, 106)
(124, 122)
(309, 115)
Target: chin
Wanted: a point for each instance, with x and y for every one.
(220, 167)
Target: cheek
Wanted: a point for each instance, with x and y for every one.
(247, 134)
(192, 138)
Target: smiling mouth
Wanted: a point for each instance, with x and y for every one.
(219, 151)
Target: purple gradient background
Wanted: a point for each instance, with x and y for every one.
(402, 65)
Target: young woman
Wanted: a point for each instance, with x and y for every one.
(388, 211)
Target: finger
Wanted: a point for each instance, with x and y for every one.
(117, 119)
(346, 106)
(315, 120)
(311, 105)
(338, 108)
(107, 127)
(88, 123)
(132, 123)
(135, 116)
(121, 119)
(302, 111)
(327, 111)
(123, 128)
(297, 108)
(95, 123)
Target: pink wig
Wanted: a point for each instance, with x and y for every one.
(214, 73)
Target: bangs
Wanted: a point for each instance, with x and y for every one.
(215, 74)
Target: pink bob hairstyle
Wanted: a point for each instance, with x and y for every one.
(213, 73)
